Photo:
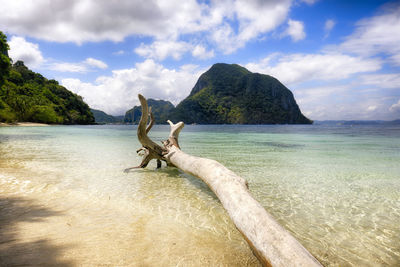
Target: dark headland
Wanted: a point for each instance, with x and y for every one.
(230, 94)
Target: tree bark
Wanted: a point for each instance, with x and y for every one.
(270, 242)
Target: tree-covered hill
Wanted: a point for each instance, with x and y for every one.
(28, 96)
(160, 108)
(227, 94)
(102, 117)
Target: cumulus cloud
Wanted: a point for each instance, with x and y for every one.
(377, 35)
(395, 107)
(254, 18)
(20, 49)
(296, 68)
(117, 93)
(201, 52)
(295, 30)
(257, 17)
(81, 21)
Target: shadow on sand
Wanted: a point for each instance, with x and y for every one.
(14, 251)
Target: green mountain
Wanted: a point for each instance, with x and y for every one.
(160, 108)
(28, 96)
(102, 117)
(230, 94)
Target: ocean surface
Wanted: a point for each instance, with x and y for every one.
(65, 199)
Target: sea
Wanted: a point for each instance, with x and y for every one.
(65, 199)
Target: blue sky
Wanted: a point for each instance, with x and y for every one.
(341, 59)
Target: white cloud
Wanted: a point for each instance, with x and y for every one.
(295, 30)
(321, 103)
(89, 20)
(162, 49)
(254, 18)
(200, 51)
(92, 62)
(395, 107)
(387, 80)
(89, 64)
(297, 68)
(117, 93)
(68, 67)
(226, 39)
(20, 49)
(342, 102)
(376, 35)
(329, 25)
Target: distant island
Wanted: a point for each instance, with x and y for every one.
(161, 110)
(229, 94)
(357, 122)
(26, 96)
(103, 118)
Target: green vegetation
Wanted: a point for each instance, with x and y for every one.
(160, 108)
(230, 94)
(5, 63)
(102, 117)
(28, 96)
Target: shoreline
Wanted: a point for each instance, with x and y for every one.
(23, 124)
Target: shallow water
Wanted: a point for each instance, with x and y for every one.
(63, 189)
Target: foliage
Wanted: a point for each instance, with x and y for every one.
(45, 114)
(28, 96)
(160, 108)
(4, 59)
(232, 94)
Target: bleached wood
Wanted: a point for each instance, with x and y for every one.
(270, 242)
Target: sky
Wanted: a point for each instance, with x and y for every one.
(341, 59)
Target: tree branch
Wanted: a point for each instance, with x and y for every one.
(270, 242)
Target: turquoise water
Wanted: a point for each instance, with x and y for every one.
(335, 188)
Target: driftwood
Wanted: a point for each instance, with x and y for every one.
(270, 242)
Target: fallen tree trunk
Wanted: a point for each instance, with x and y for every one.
(270, 242)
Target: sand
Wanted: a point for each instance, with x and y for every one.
(52, 228)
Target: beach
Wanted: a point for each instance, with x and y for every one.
(39, 229)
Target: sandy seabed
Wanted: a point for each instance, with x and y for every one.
(55, 228)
